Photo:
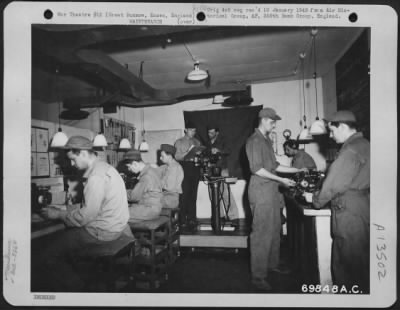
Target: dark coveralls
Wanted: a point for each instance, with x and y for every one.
(220, 144)
(190, 183)
(265, 202)
(347, 187)
(303, 160)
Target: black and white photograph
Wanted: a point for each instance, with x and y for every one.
(200, 155)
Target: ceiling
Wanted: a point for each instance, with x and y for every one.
(100, 65)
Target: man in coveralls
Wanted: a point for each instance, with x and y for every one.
(216, 145)
(265, 200)
(347, 188)
(190, 184)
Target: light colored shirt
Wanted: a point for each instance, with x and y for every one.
(183, 145)
(148, 190)
(171, 177)
(104, 211)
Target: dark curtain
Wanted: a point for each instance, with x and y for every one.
(235, 126)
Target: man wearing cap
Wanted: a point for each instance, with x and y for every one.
(191, 178)
(265, 200)
(145, 198)
(102, 216)
(347, 186)
(171, 176)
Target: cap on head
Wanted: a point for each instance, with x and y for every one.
(190, 125)
(212, 126)
(78, 143)
(343, 116)
(168, 148)
(132, 155)
(269, 113)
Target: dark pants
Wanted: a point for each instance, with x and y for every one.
(55, 260)
(190, 184)
(350, 246)
(265, 202)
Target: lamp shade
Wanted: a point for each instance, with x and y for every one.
(59, 139)
(305, 134)
(318, 128)
(125, 144)
(100, 140)
(144, 146)
(197, 74)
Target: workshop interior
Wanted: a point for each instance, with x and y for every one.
(137, 93)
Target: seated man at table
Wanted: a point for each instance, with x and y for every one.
(145, 198)
(171, 177)
(102, 217)
(301, 159)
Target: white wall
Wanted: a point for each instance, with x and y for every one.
(329, 93)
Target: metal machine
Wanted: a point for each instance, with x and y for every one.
(308, 181)
(40, 197)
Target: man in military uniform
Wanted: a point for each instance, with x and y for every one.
(171, 176)
(101, 218)
(301, 159)
(216, 145)
(190, 184)
(145, 198)
(265, 200)
(347, 188)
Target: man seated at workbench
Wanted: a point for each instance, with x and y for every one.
(102, 217)
(145, 198)
(171, 176)
(300, 159)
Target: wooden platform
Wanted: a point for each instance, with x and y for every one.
(205, 237)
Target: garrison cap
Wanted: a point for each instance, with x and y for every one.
(132, 155)
(168, 148)
(343, 116)
(78, 143)
(270, 113)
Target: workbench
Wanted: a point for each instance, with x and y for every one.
(310, 242)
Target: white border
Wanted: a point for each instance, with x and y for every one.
(18, 17)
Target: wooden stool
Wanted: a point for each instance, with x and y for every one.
(151, 263)
(106, 254)
(173, 239)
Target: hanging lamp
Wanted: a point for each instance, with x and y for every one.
(318, 126)
(144, 146)
(60, 138)
(100, 140)
(196, 74)
(305, 133)
(124, 144)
